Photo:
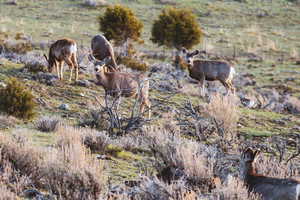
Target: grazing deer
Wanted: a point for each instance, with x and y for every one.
(102, 49)
(61, 51)
(268, 187)
(120, 84)
(209, 70)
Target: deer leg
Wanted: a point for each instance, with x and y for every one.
(226, 85)
(148, 105)
(57, 69)
(118, 102)
(232, 89)
(70, 64)
(202, 86)
(61, 69)
(75, 64)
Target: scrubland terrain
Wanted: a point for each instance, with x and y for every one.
(77, 147)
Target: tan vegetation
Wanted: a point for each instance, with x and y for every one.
(190, 148)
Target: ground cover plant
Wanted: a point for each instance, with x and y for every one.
(61, 140)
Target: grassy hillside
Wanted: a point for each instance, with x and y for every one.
(263, 35)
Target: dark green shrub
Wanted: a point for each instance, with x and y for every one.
(15, 100)
(120, 24)
(134, 63)
(176, 28)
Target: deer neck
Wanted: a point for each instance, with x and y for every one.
(102, 78)
(248, 171)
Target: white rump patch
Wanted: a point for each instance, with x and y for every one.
(73, 48)
(231, 73)
(298, 191)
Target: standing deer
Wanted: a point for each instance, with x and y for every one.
(61, 51)
(209, 70)
(121, 84)
(102, 49)
(268, 187)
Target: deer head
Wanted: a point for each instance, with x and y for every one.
(189, 56)
(98, 64)
(50, 62)
(248, 157)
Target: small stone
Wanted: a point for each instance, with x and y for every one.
(3, 85)
(31, 193)
(64, 107)
(83, 83)
(103, 157)
(81, 94)
(248, 102)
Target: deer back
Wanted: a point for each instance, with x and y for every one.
(62, 48)
(102, 49)
(268, 187)
(212, 70)
(118, 83)
(274, 188)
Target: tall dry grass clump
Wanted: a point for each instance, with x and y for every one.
(225, 110)
(68, 171)
(225, 115)
(19, 165)
(235, 190)
(177, 158)
(6, 194)
(71, 170)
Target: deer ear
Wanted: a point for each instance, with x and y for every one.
(46, 58)
(248, 154)
(91, 58)
(256, 154)
(196, 52)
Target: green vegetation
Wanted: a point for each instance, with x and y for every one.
(120, 24)
(16, 100)
(176, 28)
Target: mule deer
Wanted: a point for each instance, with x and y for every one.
(268, 187)
(61, 51)
(102, 49)
(209, 70)
(121, 84)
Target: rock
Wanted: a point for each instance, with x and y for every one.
(103, 157)
(292, 105)
(280, 122)
(289, 79)
(64, 107)
(249, 103)
(3, 85)
(47, 78)
(31, 193)
(83, 83)
(296, 128)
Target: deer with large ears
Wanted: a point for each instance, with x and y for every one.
(121, 84)
(61, 51)
(268, 187)
(102, 49)
(209, 70)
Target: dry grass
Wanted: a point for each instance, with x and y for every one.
(177, 157)
(235, 190)
(270, 166)
(7, 121)
(225, 110)
(6, 194)
(69, 171)
(48, 124)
